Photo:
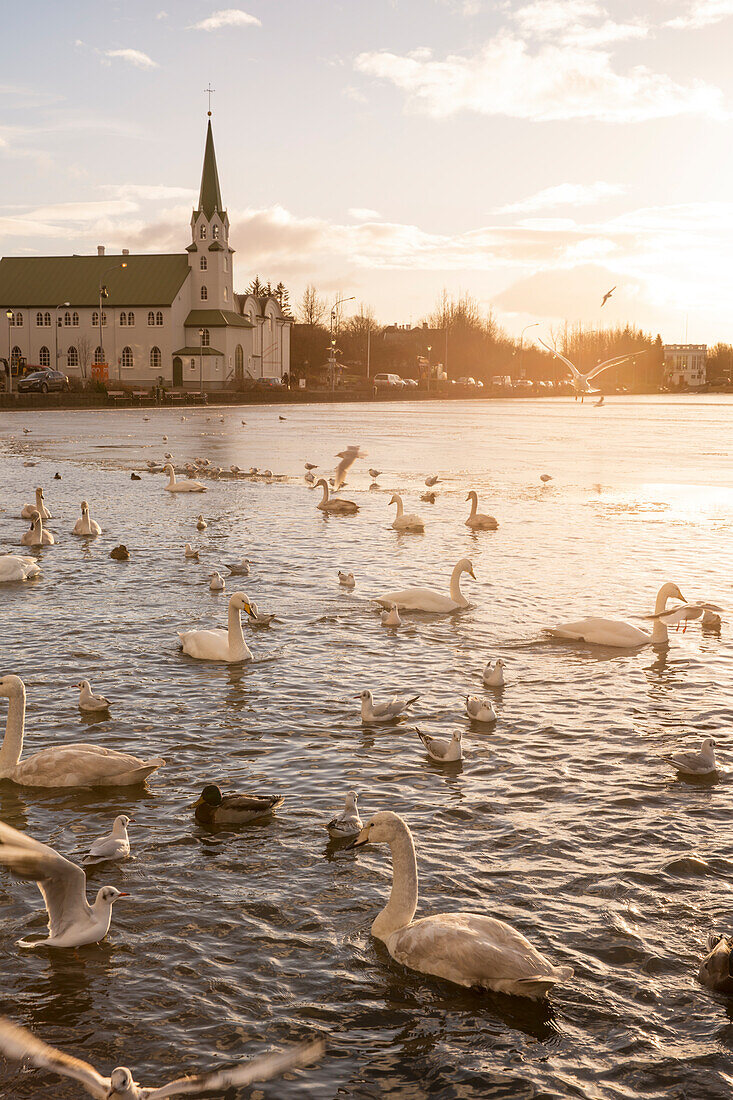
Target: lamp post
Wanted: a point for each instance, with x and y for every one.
(104, 293)
(64, 305)
(430, 348)
(334, 307)
(9, 315)
(201, 360)
(535, 324)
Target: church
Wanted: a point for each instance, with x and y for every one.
(133, 319)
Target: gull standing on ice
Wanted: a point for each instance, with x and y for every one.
(372, 712)
(441, 749)
(348, 822)
(116, 845)
(695, 763)
(479, 710)
(88, 701)
(494, 677)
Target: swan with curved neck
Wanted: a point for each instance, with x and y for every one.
(466, 948)
(335, 506)
(78, 765)
(15, 568)
(221, 645)
(37, 535)
(39, 507)
(405, 521)
(619, 634)
(86, 525)
(427, 599)
(479, 521)
(174, 486)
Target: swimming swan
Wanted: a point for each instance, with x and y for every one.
(426, 599)
(37, 535)
(336, 506)
(479, 521)
(39, 507)
(466, 948)
(614, 632)
(78, 765)
(15, 568)
(86, 525)
(174, 486)
(220, 645)
(405, 521)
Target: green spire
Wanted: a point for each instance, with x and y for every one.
(210, 196)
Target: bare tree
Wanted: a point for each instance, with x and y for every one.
(84, 349)
(312, 307)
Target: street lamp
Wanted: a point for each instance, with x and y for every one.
(201, 360)
(535, 324)
(64, 305)
(430, 348)
(104, 293)
(334, 307)
(9, 315)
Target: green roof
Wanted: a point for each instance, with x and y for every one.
(34, 281)
(192, 351)
(210, 195)
(216, 318)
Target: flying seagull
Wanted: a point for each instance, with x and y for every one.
(607, 295)
(582, 382)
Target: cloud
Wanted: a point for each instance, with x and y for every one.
(702, 13)
(363, 214)
(555, 82)
(227, 17)
(133, 57)
(574, 22)
(565, 194)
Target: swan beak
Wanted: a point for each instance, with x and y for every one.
(359, 841)
(248, 609)
(472, 573)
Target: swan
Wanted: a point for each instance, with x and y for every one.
(15, 568)
(335, 506)
(443, 750)
(86, 525)
(426, 599)
(77, 765)
(37, 535)
(465, 948)
(174, 486)
(348, 822)
(405, 521)
(220, 645)
(39, 507)
(479, 521)
(621, 635)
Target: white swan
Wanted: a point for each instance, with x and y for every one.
(37, 534)
(616, 633)
(220, 645)
(479, 521)
(174, 486)
(466, 948)
(39, 507)
(86, 525)
(77, 765)
(336, 506)
(426, 599)
(15, 568)
(405, 521)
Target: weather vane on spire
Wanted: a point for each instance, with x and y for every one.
(209, 91)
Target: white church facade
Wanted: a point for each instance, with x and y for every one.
(132, 319)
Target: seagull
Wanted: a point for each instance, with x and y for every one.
(282, 418)
(582, 382)
(429, 497)
(372, 712)
(346, 579)
(695, 763)
(116, 845)
(216, 584)
(22, 1045)
(479, 710)
(189, 552)
(201, 524)
(259, 618)
(348, 822)
(441, 749)
(391, 617)
(240, 568)
(684, 613)
(607, 295)
(432, 480)
(88, 701)
(310, 478)
(494, 677)
(311, 465)
(375, 473)
(544, 478)
(72, 921)
(348, 458)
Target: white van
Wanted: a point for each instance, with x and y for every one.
(385, 381)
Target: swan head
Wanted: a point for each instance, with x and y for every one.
(670, 591)
(322, 481)
(473, 495)
(121, 1082)
(39, 493)
(35, 517)
(108, 895)
(465, 565)
(211, 796)
(84, 507)
(167, 469)
(11, 686)
(241, 602)
(382, 829)
(395, 499)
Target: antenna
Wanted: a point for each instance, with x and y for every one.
(209, 90)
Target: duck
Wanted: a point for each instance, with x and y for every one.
(220, 645)
(135, 477)
(86, 525)
(479, 521)
(693, 763)
(479, 710)
(494, 677)
(201, 523)
(348, 822)
(468, 949)
(432, 480)
(405, 521)
(336, 506)
(347, 580)
(715, 971)
(174, 486)
(215, 808)
(189, 552)
(76, 765)
(57, 476)
(391, 618)
(116, 845)
(217, 583)
(120, 553)
(429, 497)
(443, 750)
(39, 506)
(616, 633)
(13, 568)
(388, 711)
(88, 701)
(426, 599)
(240, 568)
(37, 535)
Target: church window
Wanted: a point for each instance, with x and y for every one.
(204, 293)
(15, 355)
(203, 263)
(215, 232)
(95, 319)
(192, 364)
(39, 319)
(67, 319)
(202, 232)
(47, 320)
(226, 264)
(130, 318)
(239, 361)
(17, 319)
(72, 357)
(205, 338)
(159, 319)
(98, 356)
(44, 357)
(104, 318)
(75, 319)
(155, 359)
(151, 318)
(127, 360)
(123, 318)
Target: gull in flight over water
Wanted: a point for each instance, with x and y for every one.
(348, 458)
(582, 382)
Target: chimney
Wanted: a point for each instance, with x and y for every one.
(100, 250)
(125, 251)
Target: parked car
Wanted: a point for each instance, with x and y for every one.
(467, 382)
(411, 382)
(270, 383)
(42, 381)
(388, 381)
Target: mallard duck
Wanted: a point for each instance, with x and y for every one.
(215, 808)
(120, 553)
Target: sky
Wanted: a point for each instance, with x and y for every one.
(531, 153)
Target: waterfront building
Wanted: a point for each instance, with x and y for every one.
(685, 365)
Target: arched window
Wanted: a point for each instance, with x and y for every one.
(75, 319)
(159, 318)
(127, 360)
(72, 357)
(192, 364)
(205, 338)
(39, 318)
(98, 356)
(67, 318)
(215, 232)
(123, 319)
(17, 319)
(44, 357)
(15, 355)
(226, 263)
(151, 318)
(226, 295)
(104, 318)
(202, 233)
(155, 359)
(47, 320)
(204, 293)
(203, 263)
(130, 318)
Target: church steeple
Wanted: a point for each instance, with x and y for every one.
(210, 257)
(210, 194)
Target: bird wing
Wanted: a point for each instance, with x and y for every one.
(612, 363)
(62, 883)
(573, 369)
(687, 761)
(348, 458)
(20, 1044)
(263, 1068)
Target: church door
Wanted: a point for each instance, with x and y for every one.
(177, 371)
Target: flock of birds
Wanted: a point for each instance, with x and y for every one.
(465, 948)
